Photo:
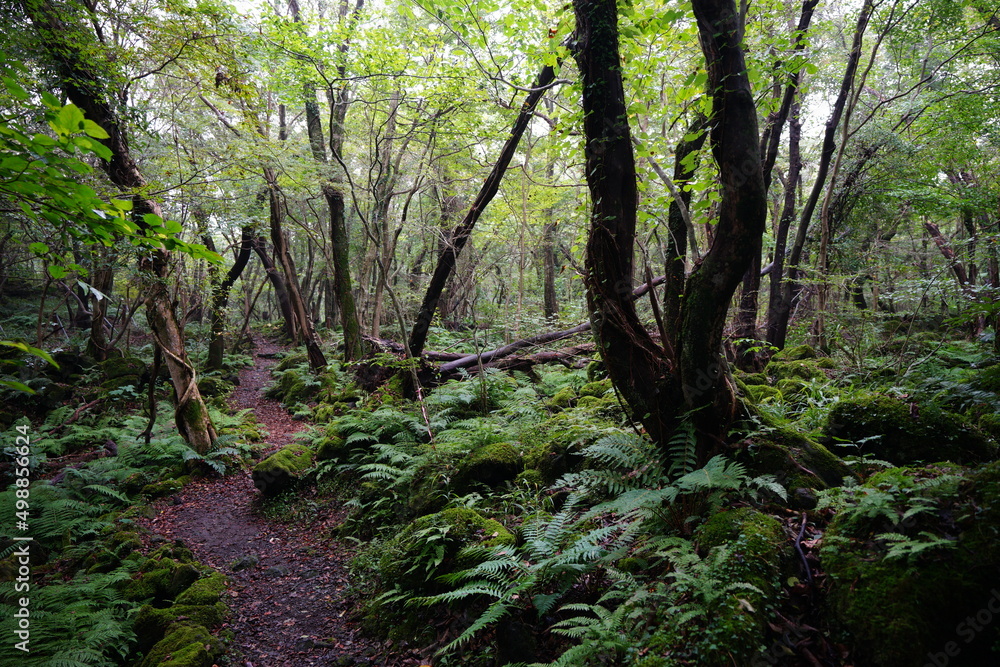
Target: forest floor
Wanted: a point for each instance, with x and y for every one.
(288, 581)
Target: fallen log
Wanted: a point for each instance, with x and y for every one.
(507, 350)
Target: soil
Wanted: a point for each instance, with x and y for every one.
(288, 579)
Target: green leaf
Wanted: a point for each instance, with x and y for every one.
(122, 204)
(14, 384)
(24, 347)
(38, 248)
(57, 272)
(70, 118)
(94, 130)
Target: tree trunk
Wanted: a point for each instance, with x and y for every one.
(101, 279)
(304, 332)
(460, 235)
(635, 363)
(661, 390)
(746, 320)
(220, 300)
(277, 284)
(84, 86)
(790, 287)
(778, 308)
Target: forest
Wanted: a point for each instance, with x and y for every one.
(652, 333)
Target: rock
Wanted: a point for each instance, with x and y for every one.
(283, 469)
(277, 571)
(244, 563)
(899, 610)
(491, 465)
(184, 645)
(596, 389)
(206, 590)
(905, 433)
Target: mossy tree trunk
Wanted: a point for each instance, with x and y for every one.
(84, 84)
(660, 387)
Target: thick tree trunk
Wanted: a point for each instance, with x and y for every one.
(742, 215)
(636, 365)
(661, 390)
(85, 87)
(746, 320)
(460, 235)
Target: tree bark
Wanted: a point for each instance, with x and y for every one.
(460, 235)
(220, 300)
(85, 88)
(635, 363)
(746, 320)
(304, 332)
(742, 214)
(778, 308)
(790, 285)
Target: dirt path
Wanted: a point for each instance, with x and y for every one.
(287, 582)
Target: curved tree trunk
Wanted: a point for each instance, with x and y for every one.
(85, 87)
(460, 235)
(220, 300)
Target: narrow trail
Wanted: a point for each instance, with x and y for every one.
(287, 581)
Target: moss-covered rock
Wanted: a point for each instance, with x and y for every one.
(562, 399)
(491, 464)
(165, 487)
(794, 353)
(555, 446)
(596, 389)
(160, 580)
(759, 393)
(121, 367)
(331, 447)
(889, 429)
(796, 460)
(204, 591)
(907, 609)
(152, 624)
(797, 370)
(282, 469)
(184, 645)
(429, 547)
(752, 378)
(749, 554)
(211, 386)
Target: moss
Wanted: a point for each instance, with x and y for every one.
(491, 464)
(160, 580)
(799, 370)
(903, 434)
(282, 469)
(213, 386)
(988, 379)
(596, 370)
(115, 368)
(989, 424)
(759, 393)
(899, 611)
(331, 447)
(530, 477)
(744, 548)
(563, 399)
(165, 487)
(596, 389)
(184, 645)
(795, 353)
(408, 559)
(752, 378)
(795, 459)
(204, 591)
(291, 360)
(790, 387)
(152, 624)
